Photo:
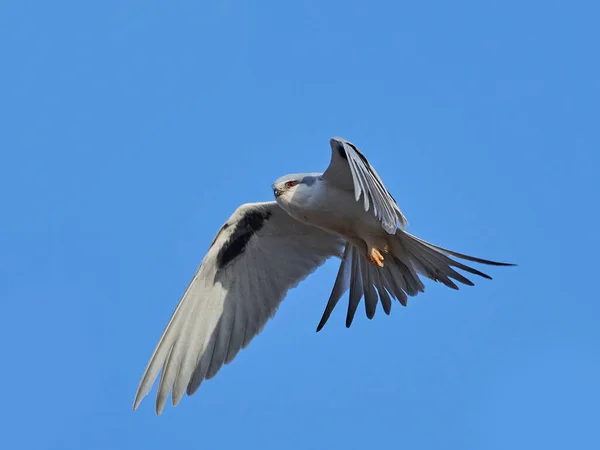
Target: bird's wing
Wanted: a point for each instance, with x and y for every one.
(258, 255)
(349, 169)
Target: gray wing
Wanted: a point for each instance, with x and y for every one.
(258, 255)
(349, 169)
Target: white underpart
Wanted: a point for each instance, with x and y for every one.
(335, 210)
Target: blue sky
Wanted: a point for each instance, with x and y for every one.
(132, 129)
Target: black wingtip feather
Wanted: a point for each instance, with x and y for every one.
(321, 325)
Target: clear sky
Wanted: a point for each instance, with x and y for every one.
(131, 130)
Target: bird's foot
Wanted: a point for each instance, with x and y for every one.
(375, 257)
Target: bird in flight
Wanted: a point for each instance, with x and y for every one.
(264, 249)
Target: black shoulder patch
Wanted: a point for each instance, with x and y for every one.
(248, 225)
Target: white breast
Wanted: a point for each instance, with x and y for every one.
(329, 208)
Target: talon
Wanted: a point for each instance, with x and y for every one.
(375, 257)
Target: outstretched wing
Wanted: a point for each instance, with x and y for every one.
(349, 169)
(258, 255)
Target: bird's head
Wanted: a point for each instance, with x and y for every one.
(286, 185)
(293, 188)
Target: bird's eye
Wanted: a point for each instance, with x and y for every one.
(290, 184)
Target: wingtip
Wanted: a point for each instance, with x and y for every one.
(176, 397)
(138, 399)
(161, 400)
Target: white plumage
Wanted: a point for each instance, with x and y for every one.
(264, 249)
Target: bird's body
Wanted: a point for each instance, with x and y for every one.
(331, 208)
(265, 249)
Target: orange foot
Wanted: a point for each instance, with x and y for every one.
(375, 257)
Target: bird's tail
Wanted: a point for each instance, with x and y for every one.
(399, 278)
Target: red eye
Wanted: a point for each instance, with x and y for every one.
(290, 184)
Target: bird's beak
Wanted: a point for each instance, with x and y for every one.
(277, 192)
